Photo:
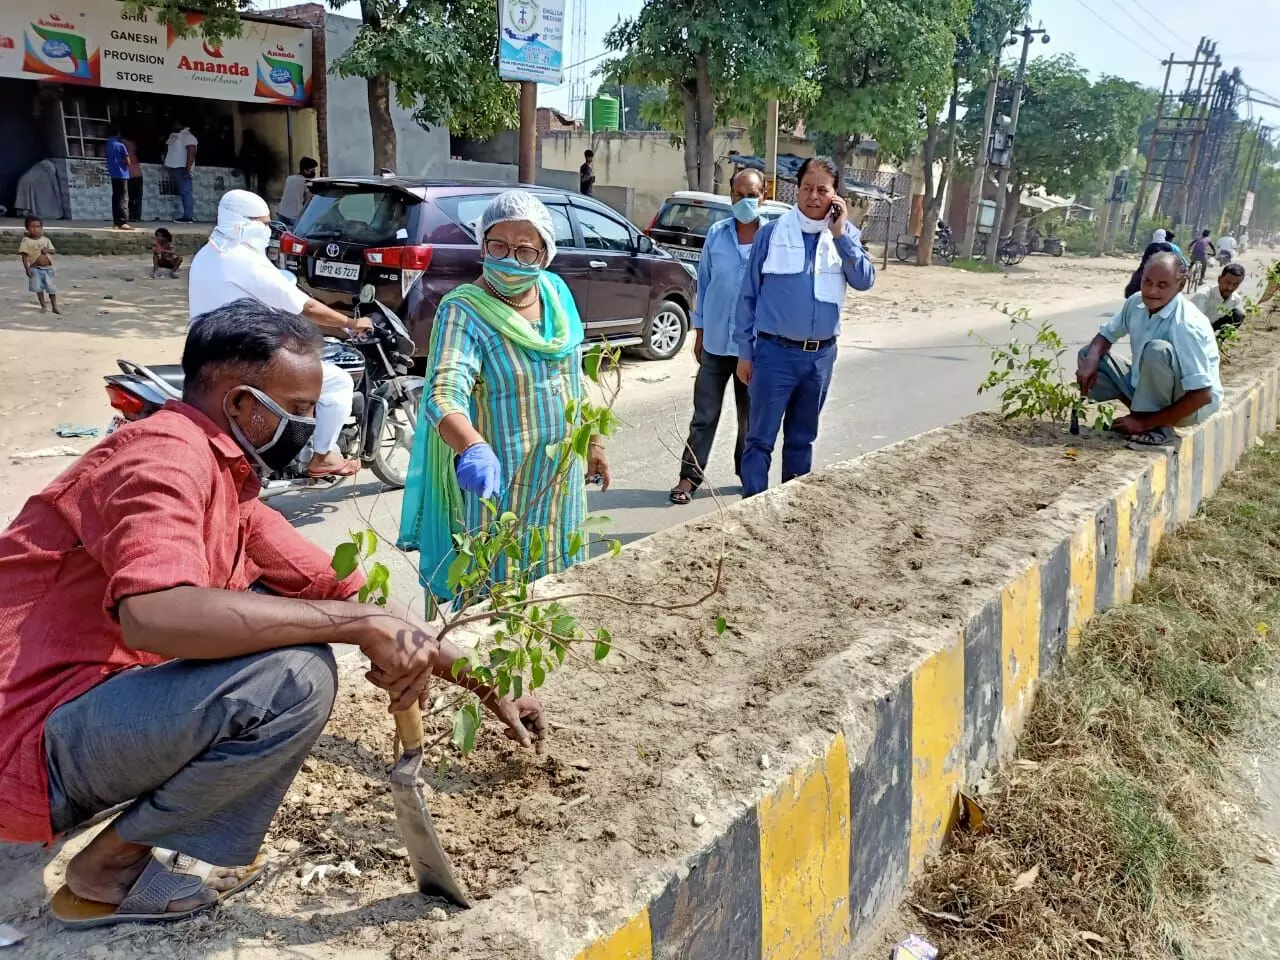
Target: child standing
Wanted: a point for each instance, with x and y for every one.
(162, 255)
(37, 252)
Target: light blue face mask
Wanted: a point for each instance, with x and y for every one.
(747, 210)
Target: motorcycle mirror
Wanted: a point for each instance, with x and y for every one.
(366, 293)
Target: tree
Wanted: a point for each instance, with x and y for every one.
(1070, 131)
(988, 23)
(714, 59)
(1266, 205)
(439, 55)
(219, 18)
(435, 57)
(875, 76)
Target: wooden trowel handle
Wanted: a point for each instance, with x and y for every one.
(409, 727)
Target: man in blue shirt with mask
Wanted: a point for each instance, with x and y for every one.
(724, 261)
(789, 317)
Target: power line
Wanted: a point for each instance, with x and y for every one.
(1160, 23)
(1119, 32)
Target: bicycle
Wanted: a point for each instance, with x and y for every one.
(1196, 275)
(1012, 252)
(907, 250)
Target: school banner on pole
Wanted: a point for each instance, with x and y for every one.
(97, 43)
(531, 40)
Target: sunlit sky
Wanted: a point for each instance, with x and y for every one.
(1119, 37)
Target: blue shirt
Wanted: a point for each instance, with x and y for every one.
(720, 273)
(117, 159)
(1183, 326)
(784, 304)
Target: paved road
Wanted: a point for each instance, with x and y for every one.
(893, 380)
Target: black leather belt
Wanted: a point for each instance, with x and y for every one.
(808, 346)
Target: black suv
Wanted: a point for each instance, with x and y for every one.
(415, 240)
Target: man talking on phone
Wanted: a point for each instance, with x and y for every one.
(788, 319)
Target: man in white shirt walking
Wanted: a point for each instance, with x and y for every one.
(296, 192)
(234, 264)
(179, 161)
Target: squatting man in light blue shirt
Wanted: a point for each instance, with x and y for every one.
(724, 261)
(1173, 380)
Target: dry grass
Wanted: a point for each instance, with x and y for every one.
(1116, 793)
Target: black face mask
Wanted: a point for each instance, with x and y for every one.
(290, 439)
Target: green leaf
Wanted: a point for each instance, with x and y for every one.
(498, 656)
(604, 643)
(517, 686)
(591, 364)
(564, 626)
(358, 539)
(721, 625)
(466, 722)
(379, 578)
(371, 542)
(457, 570)
(345, 560)
(615, 547)
(536, 545)
(575, 543)
(538, 675)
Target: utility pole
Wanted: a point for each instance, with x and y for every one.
(528, 131)
(1251, 185)
(970, 227)
(993, 248)
(1107, 214)
(1200, 103)
(1151, 152)
(771, 152)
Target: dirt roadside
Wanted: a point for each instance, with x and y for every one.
(662, 745)
(54, 364)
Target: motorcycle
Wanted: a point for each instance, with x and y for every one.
(1224, 257)
(384, 412)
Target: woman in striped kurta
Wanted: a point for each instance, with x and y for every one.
(504, 361)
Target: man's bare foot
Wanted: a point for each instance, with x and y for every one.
(106, 869)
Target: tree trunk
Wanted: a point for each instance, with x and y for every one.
(934, 192)
(924, 242)
(706, 124)
(689, 100)
(381, 124)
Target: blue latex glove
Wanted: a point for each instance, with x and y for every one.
(479, 471)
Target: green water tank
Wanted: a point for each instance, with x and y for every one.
(602, 113)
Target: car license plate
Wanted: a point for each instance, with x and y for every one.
(693, 256)
(339, 271)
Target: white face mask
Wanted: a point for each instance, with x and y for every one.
(256, 235)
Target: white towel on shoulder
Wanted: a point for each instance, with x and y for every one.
(786, 255)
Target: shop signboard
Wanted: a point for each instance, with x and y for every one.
(531, 40)
(99, 43)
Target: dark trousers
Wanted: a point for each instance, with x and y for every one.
(119, 200)
(135, 199)
(714, 374)
(788, 389)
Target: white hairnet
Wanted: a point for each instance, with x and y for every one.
(235, 209)
(520, 205)
(1158, 236)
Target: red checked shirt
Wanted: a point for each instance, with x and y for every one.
(165, 502)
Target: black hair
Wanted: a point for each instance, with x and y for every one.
(306, 162)
(1233, 270)
(751, 171)
(1168, 235)
(30, 219)
(826, 164)
(163, 234)
(244, 335)
(1206, 232)
(589, 154)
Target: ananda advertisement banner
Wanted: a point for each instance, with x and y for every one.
(98, 43)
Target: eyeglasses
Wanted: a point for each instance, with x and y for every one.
(524, 254)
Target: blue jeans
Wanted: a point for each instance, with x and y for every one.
(788, 389)
(180, 177)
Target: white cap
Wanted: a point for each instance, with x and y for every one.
(520, 205)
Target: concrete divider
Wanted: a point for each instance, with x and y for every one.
(804, 871)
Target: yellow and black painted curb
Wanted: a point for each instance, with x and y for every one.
(803, 874)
